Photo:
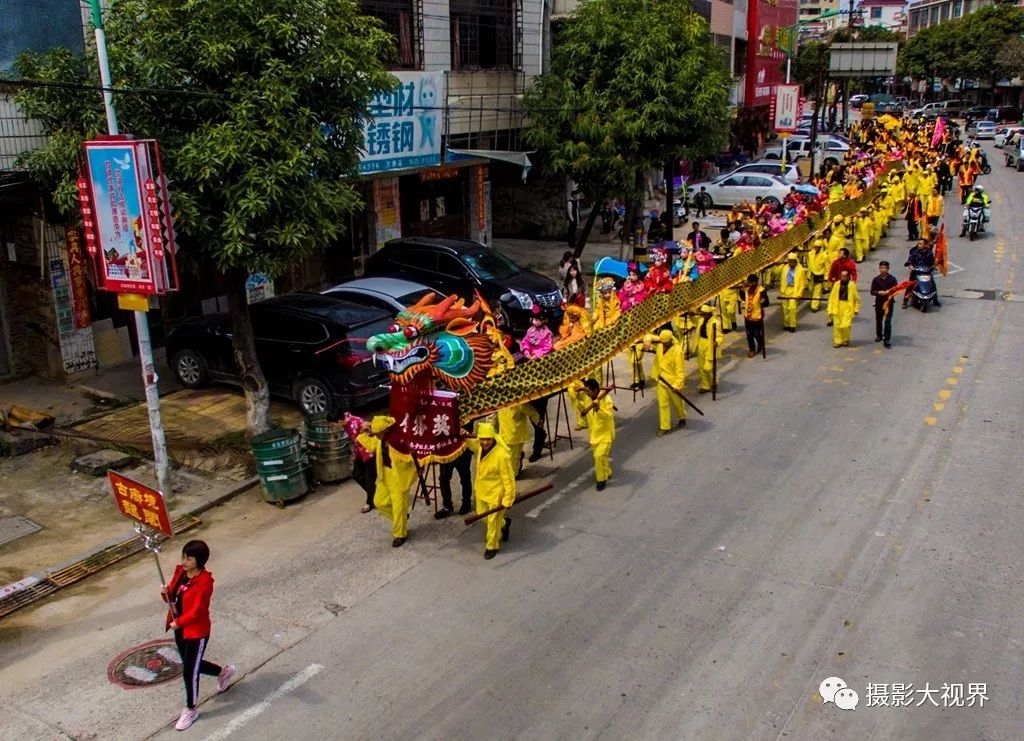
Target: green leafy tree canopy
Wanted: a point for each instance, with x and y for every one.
(257, 105)
(634, 83)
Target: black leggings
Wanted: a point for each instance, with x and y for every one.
(755, 334)
(191, 651)
(365, 474)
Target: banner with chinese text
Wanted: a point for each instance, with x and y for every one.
(404, 126)
(426, 424)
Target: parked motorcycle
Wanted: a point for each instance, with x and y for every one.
(923, 293)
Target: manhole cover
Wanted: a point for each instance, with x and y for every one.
(12, 528)
(146, 665)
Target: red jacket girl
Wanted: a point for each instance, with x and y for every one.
(194, 620)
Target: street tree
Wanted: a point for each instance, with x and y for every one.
(633, 84)
(258, 106)
(1010, 59)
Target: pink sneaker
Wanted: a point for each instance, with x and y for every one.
(188, 717)
(224, 678)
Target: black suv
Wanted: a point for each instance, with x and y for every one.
(312, 349)
(1005, 114)
(462, 267)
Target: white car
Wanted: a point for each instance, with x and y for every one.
(392, 294)
(830, 150)
(791, 172)
(1005, 133)
(730, 189)
(982, 130)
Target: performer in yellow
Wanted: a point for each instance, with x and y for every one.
(601, 420)
(861, 235)
(837, 240)
(793, 285)
(515, 425)
(395, 475)
(575, 327)
(607, 307)
(818, 265)
(709, 346)
(672, 371)
(843, 305)
(494, 484)
(730, 303)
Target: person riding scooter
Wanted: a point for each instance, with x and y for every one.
(921, 259)
(977, 198)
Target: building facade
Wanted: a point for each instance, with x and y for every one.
(924, 13)
(887, 14)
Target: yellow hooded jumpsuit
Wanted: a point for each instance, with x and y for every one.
(395, 476)
(710, 326)
(602, 434)
(794, 282)
(861, 235)
(818, 265)
(494, 485)
(515, 425)
(842, 312)
(730, 300)
(672, 367)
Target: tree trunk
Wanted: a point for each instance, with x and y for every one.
(257, 395)
(584, 234)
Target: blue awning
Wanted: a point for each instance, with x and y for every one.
(515, 158)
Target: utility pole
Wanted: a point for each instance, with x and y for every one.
(149, 376)
(846, 80)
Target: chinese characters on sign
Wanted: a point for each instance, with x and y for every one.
(385, 206)
(785, 108)
(71, 303)
(427, 423)
(140, 503)
(126, 216)
(403, 128)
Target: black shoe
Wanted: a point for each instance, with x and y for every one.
(489, 553)
(505, 529)
(829, 324)
(937, 303)
(535, 456)
(681, 423)
(887, 343)
(397, 542)
(466, 508)
(444, 512)
(791, 329)
(601, 485)
(904, 305)
(878, 339)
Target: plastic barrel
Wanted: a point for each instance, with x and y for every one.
(330, 450)
(281, 465)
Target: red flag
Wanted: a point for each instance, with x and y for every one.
(895, 291)
(942, 250)
(940, 129)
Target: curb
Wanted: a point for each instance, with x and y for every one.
(29, 581)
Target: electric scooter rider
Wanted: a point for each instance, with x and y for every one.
(921, 259)
(977, 197)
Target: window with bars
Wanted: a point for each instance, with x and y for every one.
(402, 19)
(483, 34)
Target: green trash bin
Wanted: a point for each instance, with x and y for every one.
(330, 450)
(281, 465)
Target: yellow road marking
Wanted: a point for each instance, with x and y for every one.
(930, 421)
(958, 369)
(952, 381)
(938, 406)
(945, 394)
